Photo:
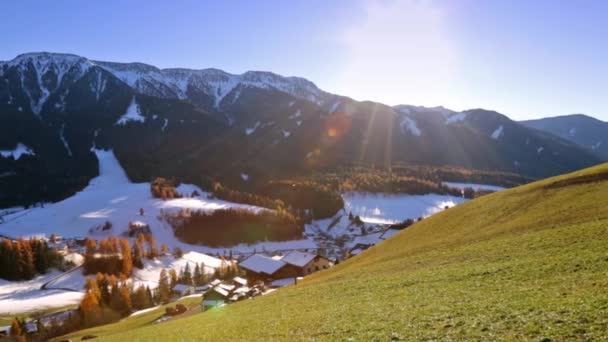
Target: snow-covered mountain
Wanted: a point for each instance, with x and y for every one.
(578, 128)
(202, 125)
(216, 84)
(43, 74)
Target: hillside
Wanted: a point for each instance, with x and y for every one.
(578, 128)
(524, 263)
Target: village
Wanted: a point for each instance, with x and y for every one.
(221, 279)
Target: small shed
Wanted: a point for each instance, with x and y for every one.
(183, 290)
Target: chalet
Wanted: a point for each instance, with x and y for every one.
(306, 263)
(260, 267)
(215, 297)
(183, 290)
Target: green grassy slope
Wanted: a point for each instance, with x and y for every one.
(525, 263)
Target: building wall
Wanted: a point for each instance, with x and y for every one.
(317, 264)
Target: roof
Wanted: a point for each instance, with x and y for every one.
(262, 264)
(243, 289)
(221, 291)
(240, 280)
(181, 287)
(298, 258)
(282, 282)
(226, 287)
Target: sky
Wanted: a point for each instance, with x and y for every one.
(525, 59)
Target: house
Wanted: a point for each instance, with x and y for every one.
(201, 289)
(260, 267)
(183, 290)
(306, 263)
(215, 297)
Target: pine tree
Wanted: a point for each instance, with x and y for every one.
(90, 309)
(127, 261)
(164, 292)
(187, 276)
(91, 287)
(150, 297)
(197, 275)
(125, 299)
(152, 250)
(172, 279)
(104, 288)
(16, 328)
(164, 249)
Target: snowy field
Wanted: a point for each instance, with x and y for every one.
(474, 186)
(26, 296)
(112, 197)
(381, 208)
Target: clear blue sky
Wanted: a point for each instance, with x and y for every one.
(523, 58)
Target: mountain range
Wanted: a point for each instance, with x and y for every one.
(581, 129)
(198, 125)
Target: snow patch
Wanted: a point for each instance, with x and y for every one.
(409, 125)
(64, 141)
(474, 186)
(133, 113)
(244, 177)
(539, 150)
(251, 130)
(456, 118)
(335, 107)
(498, 132)
(380, 208)
(17, 152)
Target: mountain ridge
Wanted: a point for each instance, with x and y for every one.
(222, 125)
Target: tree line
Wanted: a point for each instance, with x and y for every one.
(22, 259)
(228, 227)
(117, 256)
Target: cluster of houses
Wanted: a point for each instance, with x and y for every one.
(262, 274)
(363, 242)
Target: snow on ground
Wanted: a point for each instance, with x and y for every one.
(456, 118)
(381, 208)
(17, 152)
(71, 280)
(149, 275)
(409, 125)
(133, 113)
(137, 313)
(251, 130)
(474, 186)
(498, 132)
(26, 296)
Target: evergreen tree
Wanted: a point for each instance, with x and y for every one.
(104, 287)
(164, 292)
(125, 299)
(196, 277)
(187, 276)
(90, 309)
(16, 328)
(127, 261)
(172, 278)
